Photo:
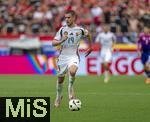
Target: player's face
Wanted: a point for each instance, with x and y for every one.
(69, 19)
(106, 28)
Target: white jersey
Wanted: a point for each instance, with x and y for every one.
(70, 46)
(106, 40)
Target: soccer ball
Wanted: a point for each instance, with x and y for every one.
(75, 105)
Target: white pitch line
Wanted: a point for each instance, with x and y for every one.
(116, 94)
(82, 93)
(102, 94)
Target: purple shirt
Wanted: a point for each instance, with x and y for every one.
(144, 42)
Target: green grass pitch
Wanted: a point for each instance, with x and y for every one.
(123, 99)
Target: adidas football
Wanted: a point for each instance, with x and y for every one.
(74, 104)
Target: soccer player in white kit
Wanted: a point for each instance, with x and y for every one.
(106, 39)
(68, 37)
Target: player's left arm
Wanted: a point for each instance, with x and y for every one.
(89, 49)
(114, 41)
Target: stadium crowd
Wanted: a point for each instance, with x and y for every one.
(45, 17)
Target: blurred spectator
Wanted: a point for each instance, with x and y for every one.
(46, 16)
(10, 25)
(113, 24)
(96, 12)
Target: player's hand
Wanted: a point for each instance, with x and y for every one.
(64, 37)
(89, 50)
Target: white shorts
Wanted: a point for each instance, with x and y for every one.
(65, 63)
(106, 56)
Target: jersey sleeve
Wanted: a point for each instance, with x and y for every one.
(114, 37)
(140, 37)
(85, 32)
(59, 34)
(139, 42)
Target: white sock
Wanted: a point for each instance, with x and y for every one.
(59, 88)
(70, 86)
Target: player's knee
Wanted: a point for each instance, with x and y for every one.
(73, 70)
(72, 73)
(106, 66)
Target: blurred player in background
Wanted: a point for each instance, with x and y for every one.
(68, 37)
(144, 51)
(106, 39)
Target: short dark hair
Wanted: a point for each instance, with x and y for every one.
(72, 12)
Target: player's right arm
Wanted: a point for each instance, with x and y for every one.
(58, 42)
(139, 46)
(98, 40)
(114, 39)
(59, 38)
